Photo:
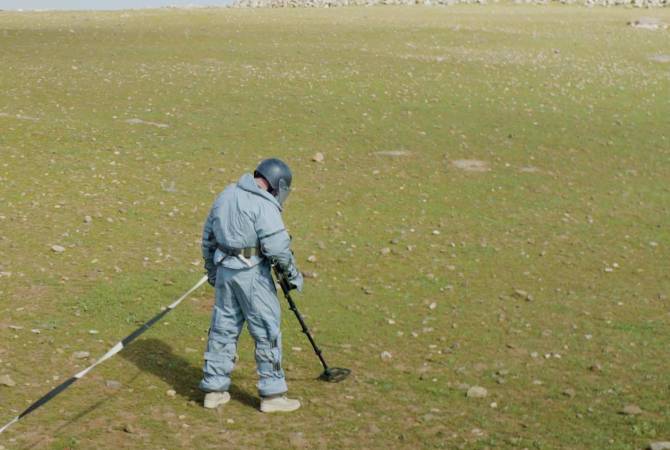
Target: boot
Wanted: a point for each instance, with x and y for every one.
(278, 403)
(214, 399)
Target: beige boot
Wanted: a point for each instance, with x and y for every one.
(279, 403)
(214, 399)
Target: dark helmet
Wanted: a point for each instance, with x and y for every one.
(278, 175)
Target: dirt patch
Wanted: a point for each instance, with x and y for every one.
(471, 165)
(393, 153)
(660, 58)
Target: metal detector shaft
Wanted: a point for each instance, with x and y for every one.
(283, 282)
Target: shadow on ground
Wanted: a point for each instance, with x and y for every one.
(156, 357)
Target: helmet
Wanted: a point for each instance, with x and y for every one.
(278, 175)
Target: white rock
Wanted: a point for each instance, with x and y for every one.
(318, 157)
(57, 248)
(386, 356)
(477, 392)
(6, 380)
(88, 219)
(631, 410)
(663, 445)
(81, 355)
(171, 393)
(432, 305)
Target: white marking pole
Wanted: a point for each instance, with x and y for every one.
(113, 351)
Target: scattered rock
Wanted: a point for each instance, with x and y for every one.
(15, 327)
(596, 367)
(171, 393)
(311, 258)
(432, 305)
(57, 248)
(318, 157)
(631, 410)
(5, 274)
(88, 219)
(6, 380)
(477, 392)
(569, 392)
(471, 165)
(81, 355)
(520, 293)
(385, 251)
(129, 428)
(297, 440)
(386, 356)
(93, 332)
(310, 274)
(113, 384)
(664, 445)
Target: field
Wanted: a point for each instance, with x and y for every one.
(492, 209)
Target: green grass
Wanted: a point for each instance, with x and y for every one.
(562, 103)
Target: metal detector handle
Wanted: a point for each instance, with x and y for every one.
(285, 287)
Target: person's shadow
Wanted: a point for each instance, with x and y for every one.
(155, 356)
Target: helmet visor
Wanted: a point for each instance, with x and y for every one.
(283, 191)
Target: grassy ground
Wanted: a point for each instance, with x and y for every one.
(564, 110)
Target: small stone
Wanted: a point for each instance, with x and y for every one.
(367, 291)
(569, 392)
(129, 428)
(386, 356)
(15, 327)
(432, 305)
(311, 258)
(36, 331)
(297, 440)
(385, 251)
(57, 248)
(296, 349)
(631, 410)
(436, 232)
(477, 392)
(230, 421)
(171, 393)
(318, 157)
(113, 384)
(88, 219)
(308, 274)
(93, 331)
(663, 445)
(595, 367)
(81, 355)
(6, 380)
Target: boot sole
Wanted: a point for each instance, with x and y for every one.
(216, 404)
(273, 409)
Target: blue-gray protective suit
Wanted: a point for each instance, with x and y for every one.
(245, 216)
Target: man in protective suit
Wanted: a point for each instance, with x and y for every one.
(243, 235)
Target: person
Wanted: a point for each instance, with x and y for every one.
(243, 235)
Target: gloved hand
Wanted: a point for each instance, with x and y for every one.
(296, 282)
(211, 278)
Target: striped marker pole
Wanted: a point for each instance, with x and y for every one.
(113, 351)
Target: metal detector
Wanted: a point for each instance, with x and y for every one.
(330, 374)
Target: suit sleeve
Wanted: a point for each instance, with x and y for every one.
(275, 241)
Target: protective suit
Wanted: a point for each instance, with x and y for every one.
(242, 234)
